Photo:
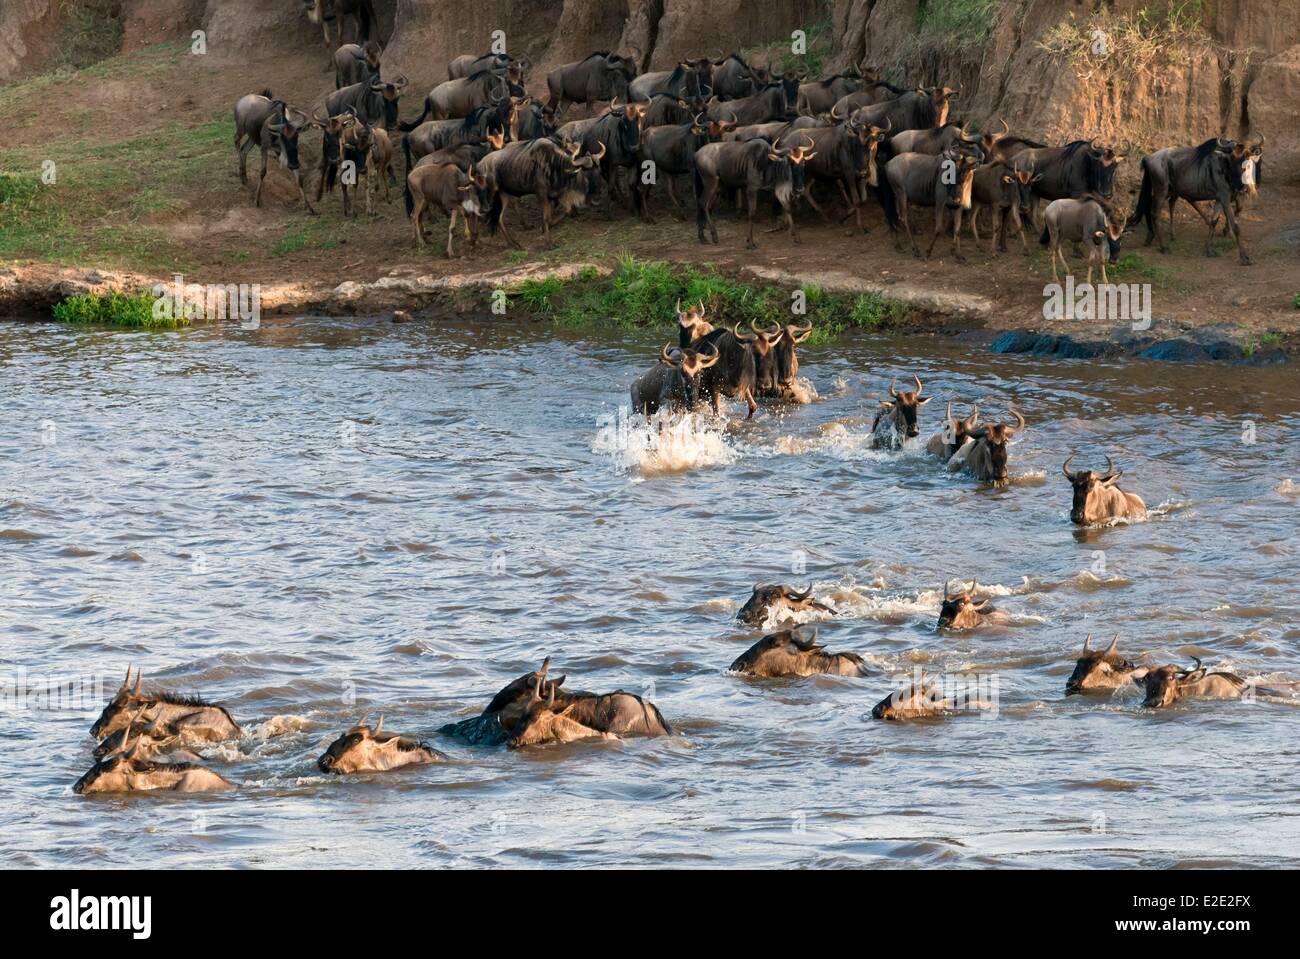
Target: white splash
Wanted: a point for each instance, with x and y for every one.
(1288, 488)
(667, 443)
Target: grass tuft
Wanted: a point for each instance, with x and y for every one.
(114, 309)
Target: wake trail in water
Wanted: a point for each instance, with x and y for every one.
(665, 444)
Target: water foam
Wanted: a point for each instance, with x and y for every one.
(665, 444)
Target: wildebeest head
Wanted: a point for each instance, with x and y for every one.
(941, 98)
(125, 702)
(996, 436)
(957, 174)
(1248, 158)
(142, 729)
(391, 91)
(961, 610)
(691, 322)
(285, 123)
(1085, 482)
(479, 199)
(112, 773)
(362, 748)
(1166, 685)
(1101, 669)
(956, 430)
(630, 119)
(543, 720)
(916, 700)
(867, 140)
(904, 404)
(616, 72)
(799, 156)
(358, 136)
(691, 362)
(769, 596)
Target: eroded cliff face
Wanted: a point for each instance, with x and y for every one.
(1238, 71)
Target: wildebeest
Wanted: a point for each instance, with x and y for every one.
(618, 131)
(599, 76)
(922, 699)
(544, 722)
(733, 78)
(689, 80)
(769, 597)
(365, 750)
(1085, 221)
(795, 652)
(331, 150)
(918, 110)
(374, 101)
(671, 152)
(820, 96)
(895, 420)
(734, 373)
(540, 168)
(961, 610)
(189, 715)
(943, 182)
(325, 12)
(1102, 669)
(124, 771)
(1066, 172)
(985, 454)
(944, 444)
(355, 63)
(673, 383)
(753, 166)
(768, 104)
(461, 97)
(934, 140)
(872, 93)
(152, 739)
(1252, 175)
(1167, 685)
(844, 154)
(776, 359)
(483, 124)
(274, 127)
(515, 69)
(355, 145)
(446, 187)
(620, 713)
(1005, 191)
(671, 111)
(1003, 147)
(530, 119)
(1097, 498)
(691, 323)
(1211, 171)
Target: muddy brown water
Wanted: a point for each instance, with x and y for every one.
(327, 518)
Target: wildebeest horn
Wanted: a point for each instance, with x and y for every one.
(139, 675)
(797, 596)
(918, 384)
(1086, 640)
(947, 585)
(401, 81)
(1005, 127)
(126, 682)
(1110, 470)
(1020, 422)
(1065, 468)
(379, 726)
(892, 384)
(597, 156)
(834, 115)
(665, 355)
(376, 83)
(1114, 643)
(746, 338)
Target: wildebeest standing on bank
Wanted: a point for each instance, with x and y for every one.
(733, 78)
(354, 63)
(326, 12)
(673, 383)
(375, 101)
(1097, 498)
(540, 168)
(461, 97)
(618, 131)
(844, 154)
(484, 124)
(769, 104)
(820, 96)
(1066, 172)
(455, 192)
(1211, 171)
(1005, 191)
(795, 652)
(273, 126)
(943, 182)
(895, 420)
(753, 166)
(671, 150)
(1084, 221)
(916, 110)
(689, 80)
(599, 76)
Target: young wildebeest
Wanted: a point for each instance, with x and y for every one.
(895, 420)
(619, 712)
(355, 64)
(1211, 171)
(1005, 191)
(1166, 685)
(188, 715)
(355, 143)
(1083, 221)
(543, 722)
(776, 359)
(845, 155)
(1098, 669)
(126, 771)
(753, 166)
(769, 596)
(599, 76)
(984, 455)
(673, 384)
(444, 186)
(961, 611)
(273, 126)
(363, 750)
(540, 168)
(944, 444)
(794, 652)
(1097, 498)
(943, 182)
(618, 130)
(374, 101)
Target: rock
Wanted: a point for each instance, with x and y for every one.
(1014, 341)
(1176, 351)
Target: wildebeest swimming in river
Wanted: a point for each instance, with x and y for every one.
(188, 714)
(365, 750)
(620, 713)
(125, 771)
(794, 652)
(767, 597)
(1102, 669)
(1097, 498)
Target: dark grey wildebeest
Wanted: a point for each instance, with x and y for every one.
(673, 383)
(733, 78)
(845, 155)
(329, 13)
(599, 76)
(820, 96)
(671, 152)
(1060, 173)
(356, 63)
(483, 124)
(754, 166)
(274, 127)
(768, 104)
(373, 101)
(919, 109)
(735, 375)
(666, 111)
(1005, 191)
(1087, 221)
(943, 182)
(461, 97)
(933, 140)
(618, 129)
(895, 420)
(1211, 171)
(688, 80)
(557, 175)
(467, 64)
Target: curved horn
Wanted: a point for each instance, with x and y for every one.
(1065, 468)
(597, 156)
(892, 384)
(947, 586)
(665, 356)
(1005, 128)
(749, 337)
(1020, 421)
(139, 675)
(379, 726)
(1110, 468)
(918, 384)
(1114, 644)
(1086, 640)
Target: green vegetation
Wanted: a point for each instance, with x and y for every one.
(114, 309)
(1124, 45)
(813, 61)
(89, 31)
(1296, 301)
(644, 293)
(958, 22)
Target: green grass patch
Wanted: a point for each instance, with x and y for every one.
(957, 22)
(114, 309)
(643, 294)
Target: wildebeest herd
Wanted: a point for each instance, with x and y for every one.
(731, 129)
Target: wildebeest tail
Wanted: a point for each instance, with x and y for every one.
(1143, 210)
(266, 92)
(407, 127)
(698, 182)
(494, 214)
(331, 171)
(406, 194)
(888, 202)
(1046, 236)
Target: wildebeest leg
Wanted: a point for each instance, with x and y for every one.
(750, 402)
(752, 205)
(501, 223)
(261, 179)
(1020, 228)
(956, 236)
(808, 193)
(417, 220)
(546, 220)
(905, 216)
(703, 211)
(244, 151)
(297, 176)
(938, 228)
(1053, 248)
(789, 222)
(672, 195)
(1236, 232)
(974, 230)
(451, 231)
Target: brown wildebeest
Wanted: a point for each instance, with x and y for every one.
(1002, 147)
(920, 109)
(1097, 498)
(984, 455)
(365, 750)
(127, 771)
(944, 444)
(274, 126)
(962, 611)
(895, 420)
(1085, 221)
(943, 182)
(692, 324)
(1005, 191)
(776, 360)
(753, 166)
(183, 714)
(1098, 669)
(845, 155)
(673, 383)
(444, 186)
(794, 652)
(1166, 685)
(355, 63)
(152, 737)
(922, 699)
(556, 175)
(544, 722)
(768, 597)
